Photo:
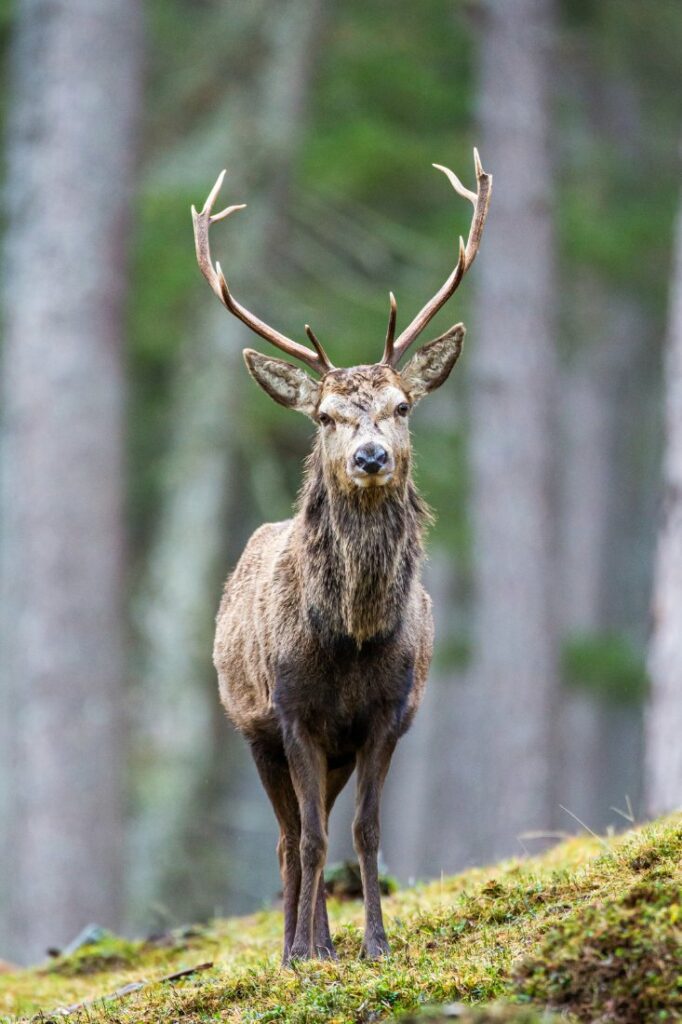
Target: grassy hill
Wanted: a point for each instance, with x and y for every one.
(592, 929)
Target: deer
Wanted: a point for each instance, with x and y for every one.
(324, 634)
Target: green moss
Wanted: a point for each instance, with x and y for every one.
(591, 928)
(615, 960)
(110, 953)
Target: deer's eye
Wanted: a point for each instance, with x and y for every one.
(402, 409)
(325, 420)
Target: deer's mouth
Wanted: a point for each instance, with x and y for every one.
(365, 480)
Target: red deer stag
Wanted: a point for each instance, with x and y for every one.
(324, 634)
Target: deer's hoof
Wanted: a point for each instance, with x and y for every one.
(375, 947)
(296, 953)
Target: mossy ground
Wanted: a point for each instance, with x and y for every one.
(592, 928)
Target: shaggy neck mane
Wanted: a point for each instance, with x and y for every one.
(360, 549)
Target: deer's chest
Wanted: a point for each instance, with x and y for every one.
(343, 694)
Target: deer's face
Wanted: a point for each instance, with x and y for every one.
(362, 413)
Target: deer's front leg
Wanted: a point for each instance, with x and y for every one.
(324, 947)
(373, 762)
(308, 767)
(276, 779)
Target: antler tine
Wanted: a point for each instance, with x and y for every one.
(390, 330)
(318, 346)
(466, 256)
(317, 360)
(202, 222)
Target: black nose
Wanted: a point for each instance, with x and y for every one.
(370, 458)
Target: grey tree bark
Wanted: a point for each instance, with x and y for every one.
(181, 731)
(424, 807)
(70, 149)
(585, 444)
(663, 757)
(609, 396)
(512, 438)
(597, 751)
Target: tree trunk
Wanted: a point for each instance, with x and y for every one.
(192, 763)
(512, 358)
(609, 396)
(424, 807)
(70, 168)
(664, 720)
(606, 544)
(583, 525)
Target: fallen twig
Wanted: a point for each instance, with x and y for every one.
(188, 970)
(133, 986)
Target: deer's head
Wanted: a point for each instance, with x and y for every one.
(362, 412)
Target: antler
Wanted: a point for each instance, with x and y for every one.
(390, 330)
(317, 360)
(467, 254)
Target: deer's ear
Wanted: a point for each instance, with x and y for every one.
(287, 384)
(430, 366)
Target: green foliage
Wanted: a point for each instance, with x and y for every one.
(591, 928)
(631, 36)
(618, 182)
(7, 15)
(382, 111)
(608, 224)
(606, 664)
(454, 652)
(165, 276)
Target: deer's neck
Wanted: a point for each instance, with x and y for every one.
(360, 552)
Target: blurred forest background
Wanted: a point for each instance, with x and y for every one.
(137, 456)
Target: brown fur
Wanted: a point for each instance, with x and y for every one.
(324, 634)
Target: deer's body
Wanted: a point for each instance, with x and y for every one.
(325, 621)
(324, 634)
